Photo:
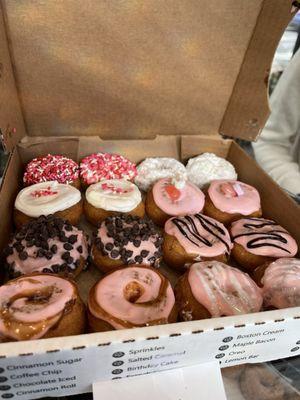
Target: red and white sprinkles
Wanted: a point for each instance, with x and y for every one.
(114, 189)
(43, 192)
(51, 168)
(102, 166)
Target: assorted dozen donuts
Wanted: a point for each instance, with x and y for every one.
(226, 257)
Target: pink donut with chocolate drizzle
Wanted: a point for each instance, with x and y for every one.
(281, 283)
(234, 197)
(263, 237)
(31, 305)
(222, 291)
(130, 297)
(186, 199)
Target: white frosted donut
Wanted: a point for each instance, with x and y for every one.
(152, 169)
(208, 167)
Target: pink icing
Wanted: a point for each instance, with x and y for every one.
(25, 311)
(36, 264)
(224, 290)
(281, 282)
(263, 237)
(109, 295)
(234, 197)
(200, 235)
(190, 200)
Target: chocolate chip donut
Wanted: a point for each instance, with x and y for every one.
(48, 244)
(126, 239)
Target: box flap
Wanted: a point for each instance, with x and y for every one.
(134, 69)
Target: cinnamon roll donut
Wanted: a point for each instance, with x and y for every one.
(257, 241)
(63, 201)
(126, 239)
(212, 289)
(112, 197)
(170, 198)
(194, 238)
(48, 244)
(130, 297)
(280, 282)
(229, 200)
(40, 306)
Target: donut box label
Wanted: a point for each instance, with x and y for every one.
(66, 372)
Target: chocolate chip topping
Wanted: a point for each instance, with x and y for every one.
(39, 233)
(125, 230)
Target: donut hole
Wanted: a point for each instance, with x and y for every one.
(41, 296)
(133, 291)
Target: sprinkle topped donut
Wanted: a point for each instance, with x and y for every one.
(232, 196)
(263, 237)
(51, 168)
(102, 166)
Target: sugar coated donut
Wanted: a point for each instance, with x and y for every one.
(102, 166)
(52, 168)
(131, 297)
(40, 306)
(151, 170)
(213, 289)
(208, 167)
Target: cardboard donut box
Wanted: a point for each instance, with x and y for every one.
(141, 79)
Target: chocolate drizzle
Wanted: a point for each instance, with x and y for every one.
(257, 229)
(188, 229)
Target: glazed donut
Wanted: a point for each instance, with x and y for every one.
(131, 297)
(52, 168)
(213, 289)
(207, 167)
(125, 239)
(40, 306)
(102, 166)
(152, 170)
(257, 241)
(194, 238)
(47, 198)
(227, 201)
(259, 382)
(112, 197)
(280, 282)
(47, 244)
(169, 198)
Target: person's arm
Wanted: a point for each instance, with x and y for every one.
(273, 150)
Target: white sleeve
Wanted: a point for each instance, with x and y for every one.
(273, 150)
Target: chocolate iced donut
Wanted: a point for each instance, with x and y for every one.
(112, 197)
(40, 306)
(126, 239)
(194, 238)
(131, 297)
(229, 200)
(48, 244)
(170, 198)
(212, 289)
(259, 382)
(257, 241)
(280, 282)
(63, 201)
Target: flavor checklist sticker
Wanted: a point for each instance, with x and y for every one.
(198, 382)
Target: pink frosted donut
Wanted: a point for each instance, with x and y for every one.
(233, 197)
(131, 297)
(172, 200)
(281, 283)
(51, 168)
(101, 166)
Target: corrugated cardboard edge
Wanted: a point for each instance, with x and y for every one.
(12, 126)
(250, 97)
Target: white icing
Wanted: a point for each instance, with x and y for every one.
(30, 202)
(207, 167)
(103, 195)
(153, 169)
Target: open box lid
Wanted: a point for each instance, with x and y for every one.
(135, 69)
